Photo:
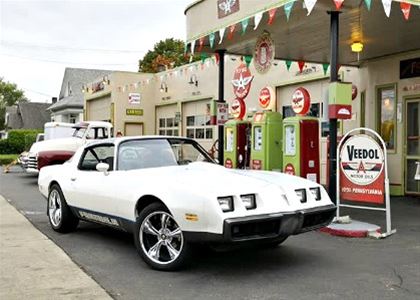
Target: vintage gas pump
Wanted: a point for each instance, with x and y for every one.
(237, 136)
(266, 137)
(301, 139)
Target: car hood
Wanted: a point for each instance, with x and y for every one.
(67, 144)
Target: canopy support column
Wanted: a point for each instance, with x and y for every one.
(221, 99)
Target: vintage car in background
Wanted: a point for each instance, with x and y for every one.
(170, 194)
(57, 150)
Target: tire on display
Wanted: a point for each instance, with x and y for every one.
(59, 214)
(159, 240)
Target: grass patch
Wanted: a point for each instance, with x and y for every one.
(6, 159)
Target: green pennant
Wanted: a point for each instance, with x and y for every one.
(212, 36)
(203, 57)
(368, 3)
(325, 68)
(288, 64)
(288, 9)
(248, 59)
(244, 25)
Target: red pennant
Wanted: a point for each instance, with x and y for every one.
(301, 64)
(338, 3)
(405, 8)
(201, 44)
(217, 57)
(271, 15)
(231, 31)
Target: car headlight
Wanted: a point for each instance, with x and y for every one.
(226, 203)
(316, 192)
(301, 193)
(249, 201)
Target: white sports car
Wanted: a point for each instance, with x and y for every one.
(170, 194)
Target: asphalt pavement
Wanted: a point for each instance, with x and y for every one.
(309, 266)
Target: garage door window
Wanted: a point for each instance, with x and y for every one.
(198, 127)
(168, 126)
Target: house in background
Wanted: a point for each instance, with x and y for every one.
(69, 107)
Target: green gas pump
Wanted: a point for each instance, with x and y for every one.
(266, 140)
(236, 152)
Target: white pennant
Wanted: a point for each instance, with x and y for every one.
(310, 5)
(387, 6)
(221, 34)
(192, 47)
(257, 19)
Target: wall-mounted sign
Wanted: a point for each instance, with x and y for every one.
(227, 7)
(98, 86)
(267, 98)
(133, 112)
(241, 82)
(412, 87)
(339, 100)
(353, 92)
(264, 53)
(362, 170)
(222, 113)
(238, 109)
(134, 98)
(301, 101)
(410, 68)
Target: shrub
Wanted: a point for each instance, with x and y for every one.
(6, 159)
(18, 140)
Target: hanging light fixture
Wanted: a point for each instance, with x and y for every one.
(357, 47)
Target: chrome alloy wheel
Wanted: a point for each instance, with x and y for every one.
(161, 238)
(54, 208)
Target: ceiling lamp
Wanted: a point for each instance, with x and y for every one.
(357, 47)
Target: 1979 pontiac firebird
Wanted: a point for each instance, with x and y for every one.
(170, 194)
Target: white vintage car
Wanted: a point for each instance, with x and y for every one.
(170, 194)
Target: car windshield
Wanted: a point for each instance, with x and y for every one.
(79, 132)
(153, 153)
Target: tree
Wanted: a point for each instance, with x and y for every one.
(166, 54)
(9, 95)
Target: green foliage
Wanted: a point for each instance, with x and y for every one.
(18, 140)
(166, 54)
(6, 159)
(9, 95)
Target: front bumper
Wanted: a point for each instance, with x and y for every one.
(269, 226)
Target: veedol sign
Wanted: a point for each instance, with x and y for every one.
(361, 170)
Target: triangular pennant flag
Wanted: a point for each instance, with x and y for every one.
(221, 34)
(368, 3)
(212, 36)
(271, 15)
(338, 3)
(203, 57)
(192, 47)
(405, 8)
(244, 24)
(257, 19)
(288, 9)
(231, 31)
(325, 68)
(248, 59)
(301, 64)
(387, 6)
(310, 5)
(201, 44)
(288, 64)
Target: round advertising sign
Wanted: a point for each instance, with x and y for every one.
(241, 82)
(264, 53)
(289, 169)
(353, 92)
(228, 163)
(238, 109)
(362, 159)
(301, 101)
(266, 99)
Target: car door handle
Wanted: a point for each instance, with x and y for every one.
(73, 178)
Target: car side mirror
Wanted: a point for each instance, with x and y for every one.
(102, 167)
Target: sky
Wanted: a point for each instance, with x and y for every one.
(38, 39)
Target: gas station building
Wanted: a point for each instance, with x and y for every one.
(385, 75)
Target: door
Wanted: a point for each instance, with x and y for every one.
(412, 145)
(133, 129)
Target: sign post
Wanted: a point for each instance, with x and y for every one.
(363, 173)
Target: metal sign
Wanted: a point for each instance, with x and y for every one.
(134, 98)
(222, 113)
(133, 112)
(227, 7)
(301, 101)
(241, 82)
(363, 173)
(264, 53)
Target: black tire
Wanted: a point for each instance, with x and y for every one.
(56, 204)
(162, 237)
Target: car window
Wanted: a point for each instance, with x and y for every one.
(96, 154)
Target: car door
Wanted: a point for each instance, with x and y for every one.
(93, 190)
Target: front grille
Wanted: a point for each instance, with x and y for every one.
(316, 219)
(255, 229)
(32, 162)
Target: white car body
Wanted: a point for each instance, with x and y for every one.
(190, 192)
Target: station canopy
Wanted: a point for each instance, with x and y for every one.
(384, 27)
